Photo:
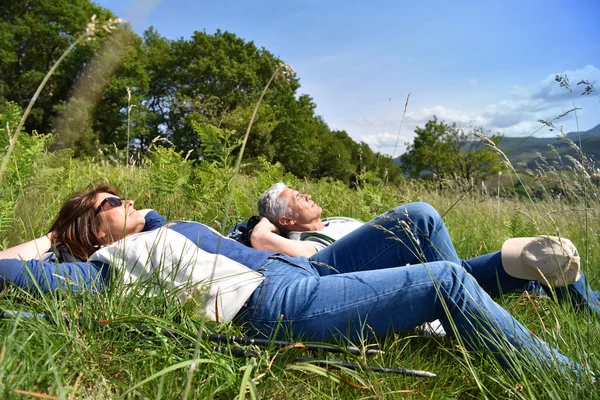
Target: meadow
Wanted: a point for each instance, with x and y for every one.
(69, 355)
(79, 344)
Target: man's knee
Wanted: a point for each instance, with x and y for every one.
(418, 211)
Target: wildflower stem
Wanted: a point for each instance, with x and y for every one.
(401, 123)
(585, 185)
(239, 159)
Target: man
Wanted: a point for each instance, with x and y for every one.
(410, 234)
(298, 218)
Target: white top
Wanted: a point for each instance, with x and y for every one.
(338, 228)
(168, 261)
(335, 228)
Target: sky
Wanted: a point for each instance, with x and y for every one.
(488, 64)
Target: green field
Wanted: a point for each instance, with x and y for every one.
(107, 113)
(81, 359)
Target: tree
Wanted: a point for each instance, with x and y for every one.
(217, 79)
(105, 103)
(33, 35)
(446, 151)
(296, 138)
(335, 157)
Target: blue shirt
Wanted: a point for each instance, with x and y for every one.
(49, 275)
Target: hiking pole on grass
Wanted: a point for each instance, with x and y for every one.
(338, 363)
(217, 337)
(214, 337)
(144, 330)
(305, 346)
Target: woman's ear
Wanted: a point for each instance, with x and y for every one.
(101, 233)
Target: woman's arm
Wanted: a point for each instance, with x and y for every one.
(153, 219)
(265, 236)
(47, 276)
(35, 248)
(29, 250)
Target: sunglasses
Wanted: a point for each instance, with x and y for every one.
(113, 201)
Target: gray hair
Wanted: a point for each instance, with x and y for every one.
(272, 206)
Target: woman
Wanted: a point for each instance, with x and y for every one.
(295, 294)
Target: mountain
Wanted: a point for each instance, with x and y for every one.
(524, 151)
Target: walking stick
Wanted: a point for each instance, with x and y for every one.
(217, 337)
(9, 314)
(280, 343)
(354, 367)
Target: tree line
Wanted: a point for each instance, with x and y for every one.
(125, 90)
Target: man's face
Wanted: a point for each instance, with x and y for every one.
(304, 210)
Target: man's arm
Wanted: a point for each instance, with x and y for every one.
(265, 236)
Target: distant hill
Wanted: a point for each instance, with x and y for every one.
(523, 151)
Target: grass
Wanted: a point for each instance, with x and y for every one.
(83, 360)
(69, 355)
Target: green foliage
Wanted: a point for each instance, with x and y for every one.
(125, 90)
(216, 145)
(91, 361)
(334, 159)
(168, 179)
(215, 75)
(519, 225)
(34, 35)
(296, 139)
(268, 174)
(7, 214)
(170, 172)
(445, 151)
(28, 150)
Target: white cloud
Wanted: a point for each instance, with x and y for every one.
(387, 142)
(550, 90)
(517, 115)
(445, 114)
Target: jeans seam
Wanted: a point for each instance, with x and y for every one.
(261, 296)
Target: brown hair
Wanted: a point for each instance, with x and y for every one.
(75, 226)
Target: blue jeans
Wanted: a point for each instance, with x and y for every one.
(415, 233)
(393, 274)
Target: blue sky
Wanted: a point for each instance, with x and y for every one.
(484, 63)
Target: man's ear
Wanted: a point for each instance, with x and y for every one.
(286, 221)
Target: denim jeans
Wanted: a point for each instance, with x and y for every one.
(415, 233)
(393, 274)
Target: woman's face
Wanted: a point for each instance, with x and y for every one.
(116, 222)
